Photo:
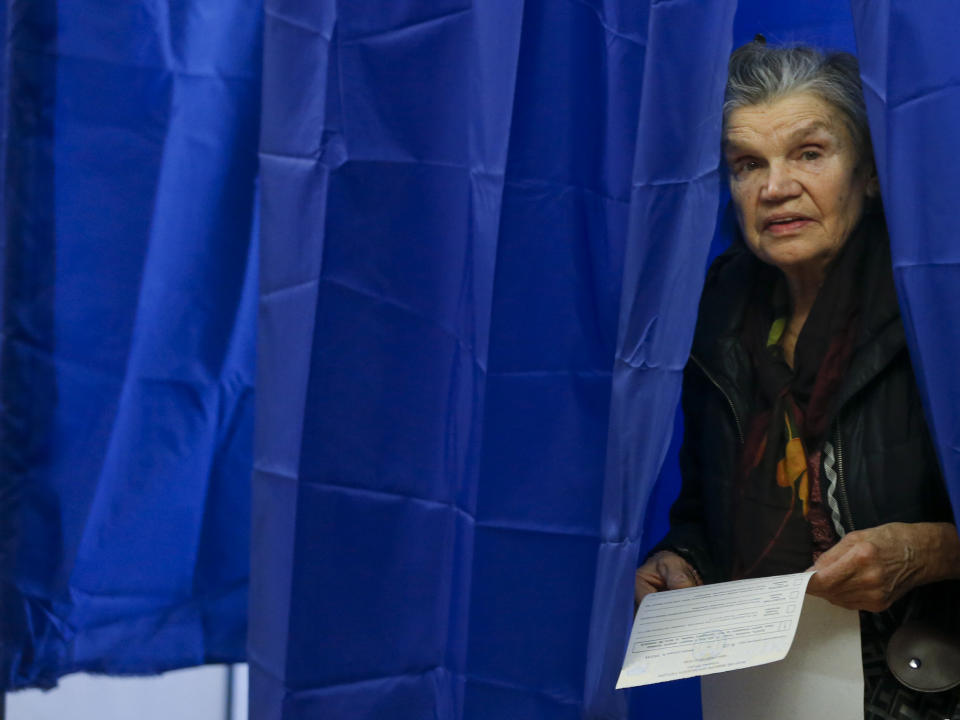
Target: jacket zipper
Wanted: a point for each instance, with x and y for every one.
(713, 381)
(841, 480)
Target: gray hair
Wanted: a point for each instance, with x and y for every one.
(761, 73)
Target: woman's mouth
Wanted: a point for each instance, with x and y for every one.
(786, 224)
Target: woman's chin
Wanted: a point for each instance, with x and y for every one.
(800, 265)
(796, 253)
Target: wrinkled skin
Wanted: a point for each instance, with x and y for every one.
(663, 571)
(871, 569)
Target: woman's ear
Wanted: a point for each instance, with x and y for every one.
(873, 184)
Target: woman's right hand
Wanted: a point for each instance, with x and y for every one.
(663, 571)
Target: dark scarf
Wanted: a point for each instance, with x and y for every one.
(793, 407)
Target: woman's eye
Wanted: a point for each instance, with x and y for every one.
(810, 155)
(748, 166)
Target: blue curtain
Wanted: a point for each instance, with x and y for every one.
(448, 188)
(673, 209)
(911, 74)
(484, 229)
(128, 334)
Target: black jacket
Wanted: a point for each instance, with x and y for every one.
(878, 463)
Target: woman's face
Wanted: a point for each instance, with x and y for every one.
(795, 181)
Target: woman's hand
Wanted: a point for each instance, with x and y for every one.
(664, 571)
(870, 569)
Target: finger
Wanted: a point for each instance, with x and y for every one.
(680, 579)
(841, 587)
(834, 553)
(641, 590)
(830, 566)
(836, 573)
(678, 573)
(647, 580)
(837, 596)
(871, 602)
(845, 604)
(651, 577)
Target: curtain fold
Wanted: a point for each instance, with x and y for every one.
(445, 196)
(911, 78)
(673, 210)
(382, 179)
(128, 336)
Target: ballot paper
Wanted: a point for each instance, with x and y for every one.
(821, 677)
(713, 628)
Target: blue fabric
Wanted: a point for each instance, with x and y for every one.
(485, 226)
(448, 188)
(676, 185)
(128, 345)
(911, 75)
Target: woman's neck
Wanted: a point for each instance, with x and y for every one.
(803, 293)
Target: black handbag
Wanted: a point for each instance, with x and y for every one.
(924, 652)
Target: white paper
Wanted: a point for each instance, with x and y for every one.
(713, 628)
(821, 677)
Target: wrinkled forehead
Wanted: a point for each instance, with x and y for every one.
(786, 121)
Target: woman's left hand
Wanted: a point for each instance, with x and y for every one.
(870, 569)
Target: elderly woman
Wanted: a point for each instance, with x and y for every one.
(805, 437)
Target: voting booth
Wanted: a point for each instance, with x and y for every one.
(446, 257)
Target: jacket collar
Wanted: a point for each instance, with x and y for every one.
(717, 349)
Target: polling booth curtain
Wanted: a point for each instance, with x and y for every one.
(128, 334)
(446, 212)
(673, 209)
(485, 225)
(911, 78)
(448, 189)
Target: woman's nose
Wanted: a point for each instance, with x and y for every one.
(780, 183)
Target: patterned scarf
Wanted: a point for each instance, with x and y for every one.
(792, 409)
